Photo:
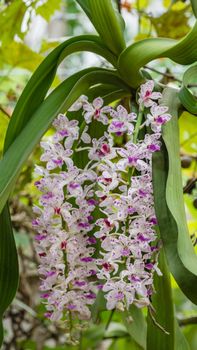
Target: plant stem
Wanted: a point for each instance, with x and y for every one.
(138, 124)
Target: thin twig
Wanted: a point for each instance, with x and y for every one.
(22, 305)
(5, 112)
(187, 321)
(156, 323)
(189, 186)
(165, 74)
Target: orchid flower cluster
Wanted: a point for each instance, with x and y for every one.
(96, 224)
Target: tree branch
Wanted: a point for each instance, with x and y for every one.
(167, 75)
(189, 186)
(188, 321)
(5, 112)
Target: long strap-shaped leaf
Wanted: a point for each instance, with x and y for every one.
(106, 21)
(164, 315)
(8, 265)
(137, 328)
(139, 54)
(188, 100)
(40, 82)
(174, 192)
(180, 339)
(163, 312)
(58, 101)
(169, 204)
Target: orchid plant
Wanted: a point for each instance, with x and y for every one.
(110, 221)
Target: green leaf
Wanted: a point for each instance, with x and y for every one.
(23, 56)
(180, 340)
(188, 134)
(4, 120)
(163, 313)
(98, 306)
(173, 23)
(41, 80)
(191, 336)
(116, 329)
(11, 20)
(96, 332)
(136, 325)
(8, 265)
(194, 7)
(85, 6)
(188, 100)
(93, 337)
(106, 21)
(124, 343)
(47, 9)
(137, 55)
(58, 101)
(167, 183)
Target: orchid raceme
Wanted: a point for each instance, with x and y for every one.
(96, 225)
(109, 216)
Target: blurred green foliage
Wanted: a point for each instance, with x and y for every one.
(173, 23)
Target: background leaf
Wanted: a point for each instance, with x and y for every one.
(180, 340)
(135, 323)
(23, 56)
(188, 134)
(47, 9)
(173, 23)
(11, 19)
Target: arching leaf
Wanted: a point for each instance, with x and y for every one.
(188, 100)
(163, 313)
(40, 82)
(58, 101)
(169, 204)
(134, 57)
